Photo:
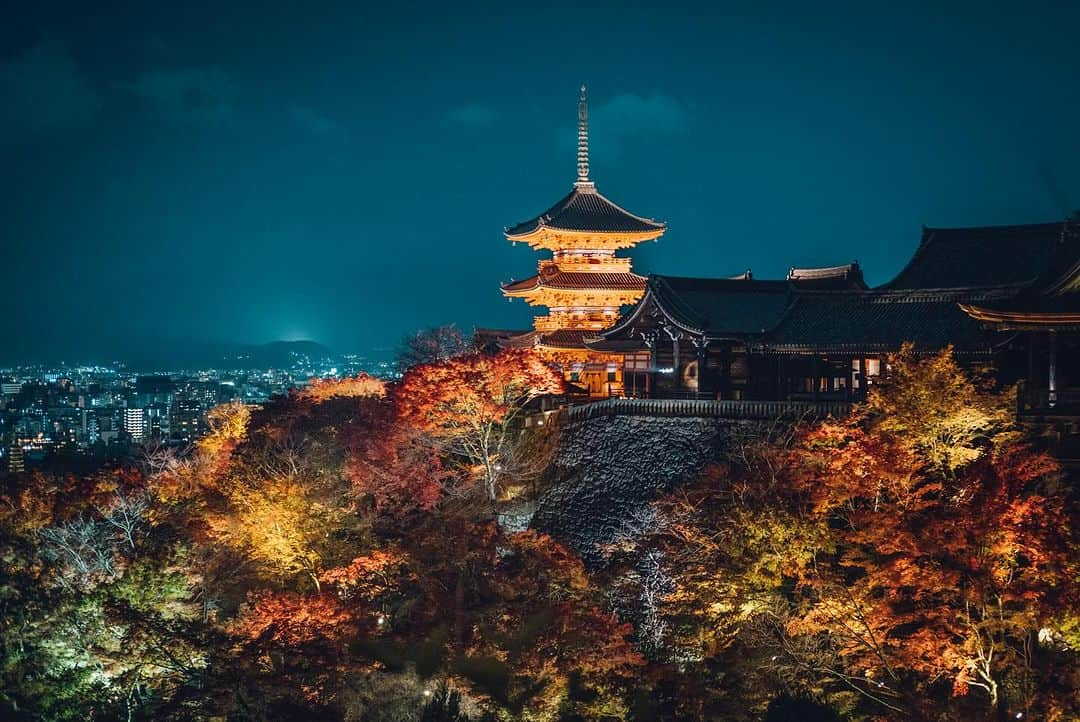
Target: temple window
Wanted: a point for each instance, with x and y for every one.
(871, 367)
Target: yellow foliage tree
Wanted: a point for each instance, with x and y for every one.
(279, 528)
(228, 426)
(945, 416)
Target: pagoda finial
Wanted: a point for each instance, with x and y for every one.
(583, 141)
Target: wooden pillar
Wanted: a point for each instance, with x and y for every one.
(702, 357)
(652, 339)
(781, 391)
(863, 390)
(1032, 339)
(1051, 382)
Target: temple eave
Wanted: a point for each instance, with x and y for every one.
(1018, 320)
(551, 239)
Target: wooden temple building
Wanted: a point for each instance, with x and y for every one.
(584, 283)
(1003, 297)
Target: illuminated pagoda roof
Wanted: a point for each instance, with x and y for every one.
(585, 212)
(566, 338)
(553, 278)
(585, 209)
(584, 282)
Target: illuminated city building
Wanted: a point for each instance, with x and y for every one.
(135, 423)
(15, 461)
(187, 420)
(584, 283)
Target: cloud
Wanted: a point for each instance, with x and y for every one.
(314, 121)
(625, 118)
(202, 96)
(630, 114)
(474, 115)
(43, 91)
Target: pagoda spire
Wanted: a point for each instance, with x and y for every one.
(583, 141)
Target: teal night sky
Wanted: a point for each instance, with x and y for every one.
(274, 171)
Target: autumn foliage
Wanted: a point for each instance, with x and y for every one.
(915, 551)
(470, 406)
(337, 554)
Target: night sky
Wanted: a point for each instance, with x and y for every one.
(248, 173)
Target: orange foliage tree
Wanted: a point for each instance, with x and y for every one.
(471, 406)
(361, 385)
(950, 553)
(390, 463)
(917, 541)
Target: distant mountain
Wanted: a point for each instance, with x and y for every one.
(276, 354)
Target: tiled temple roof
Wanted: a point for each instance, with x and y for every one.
(572, 281)
(721, 305)
(585, 209)
(567, 338)
(837, 278)
(982, 257)
(1053, 301)
(880, 320)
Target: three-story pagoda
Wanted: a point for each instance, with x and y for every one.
(584, 283)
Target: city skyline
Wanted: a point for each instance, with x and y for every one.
(181, 180)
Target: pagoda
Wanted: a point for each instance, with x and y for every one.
(584, 283)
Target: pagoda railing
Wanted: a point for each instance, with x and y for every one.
(708, 408)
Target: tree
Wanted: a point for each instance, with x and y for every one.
(228, 425)
(390, 463)
(472, 407)
(949, 550)
(361, 385)
(429, 346)
(880, 562)
(944, 414)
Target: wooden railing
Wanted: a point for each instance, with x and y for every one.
(1043, 402)
(708, 408)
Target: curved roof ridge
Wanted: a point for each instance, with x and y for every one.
(1018, 227)
(650, 221)
(585, 208)
(972, 257)
(563, 280)
(806, 272)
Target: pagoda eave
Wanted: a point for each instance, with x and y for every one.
(550, 239)
(580, 298)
